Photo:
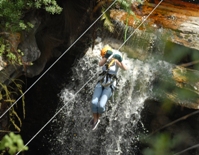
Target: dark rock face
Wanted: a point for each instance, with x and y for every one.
(53, 34)
(52, 37)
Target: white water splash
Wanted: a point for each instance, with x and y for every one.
(117, 130)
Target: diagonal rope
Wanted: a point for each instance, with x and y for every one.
(187, 149)
(57, 113)
(140, 24)
(89, 79)
(48, 70)
(58, 59)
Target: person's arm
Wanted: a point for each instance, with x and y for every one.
(102, 61)
(121, 65)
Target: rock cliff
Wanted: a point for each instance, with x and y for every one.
(52, 35)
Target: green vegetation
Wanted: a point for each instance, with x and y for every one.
(121, 4)
(12, 143)
(12, 12)
(10, 53)
(7, 96)
(161, 144)
(12, 25)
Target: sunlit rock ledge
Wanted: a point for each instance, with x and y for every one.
(180, 19)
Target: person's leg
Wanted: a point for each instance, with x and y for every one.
(106, 94)
(95, 100)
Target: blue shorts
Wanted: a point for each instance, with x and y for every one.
(100, 98)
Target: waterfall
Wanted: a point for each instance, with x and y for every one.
(118, 129)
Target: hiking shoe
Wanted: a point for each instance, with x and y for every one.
(96, 124)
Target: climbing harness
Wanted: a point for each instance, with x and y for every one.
(60, 58)
(105, 78)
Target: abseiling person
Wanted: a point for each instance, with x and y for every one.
(111, 62)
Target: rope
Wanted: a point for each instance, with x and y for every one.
(57, 60)
(56, 113)
(85, 83)
(48, 70)
(140, 24)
